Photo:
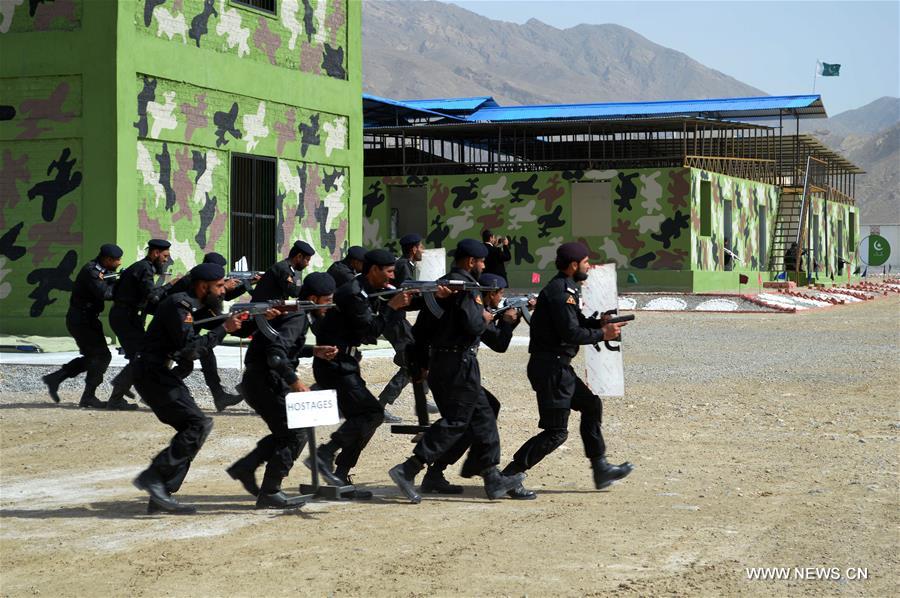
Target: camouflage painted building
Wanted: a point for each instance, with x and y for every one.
(221, 125)
(659, 194)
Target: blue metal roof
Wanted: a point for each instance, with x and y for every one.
(754, 107)
(378, 111)
(454, 104)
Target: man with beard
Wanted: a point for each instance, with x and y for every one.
(455, 380)
(90, 291)
(282, 280)
(348, 267)
(269, 376)
(172, 338)
(400, 334)
(497, 336)
(357, 320)
(557, 329)
(135, 296)
(234, 288)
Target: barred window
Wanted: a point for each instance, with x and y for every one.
(263, 5)
(253, 191)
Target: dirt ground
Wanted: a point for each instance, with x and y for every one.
(759, 440)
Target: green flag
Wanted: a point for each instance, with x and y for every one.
(828, 70)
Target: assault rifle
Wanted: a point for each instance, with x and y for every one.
(257, 311)
(243, 275)
(111, 275)
(519, 303)
(429, 287)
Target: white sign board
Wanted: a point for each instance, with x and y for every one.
(311, 409)
(599, 293)
(433, 264)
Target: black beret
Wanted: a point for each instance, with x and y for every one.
(158, 244)
(410, 239)
(492, 280)
(380, 257)
(470, 248)
(571, 252)
(110, 250)
(215, 258)
(301, 247)
(357, 253)
(207, 272)
(318, 284)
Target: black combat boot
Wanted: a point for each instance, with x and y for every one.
(89, 400)
(404, 475)
(150, 482)
(496, 484)
(53, 380)
(325, 463)
(605, 474)
(223, 400)
(117, 403)
(244, 471)
(434, 482)
(278, 500)
(346, 480)
(519, 492)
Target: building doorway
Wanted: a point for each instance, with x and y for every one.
(253, 189)
(409, 211)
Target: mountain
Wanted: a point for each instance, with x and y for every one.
(430, 49)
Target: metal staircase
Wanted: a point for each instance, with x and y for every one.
(791, 224)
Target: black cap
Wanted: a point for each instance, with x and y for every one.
(357, 253)
(301, 247)
(410, 239)
(571, 252)
(470, 248)
(318, 284)
(215, 258)
(380, 257)
(207, 272)
(158, 244)
(492, 280)
(110, 250)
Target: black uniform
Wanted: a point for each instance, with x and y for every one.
(281, 281)
(135, 295)
(341, 272)
(495, 262)
(404, 270)
(83, 323)
(497, 337)
(171, 338)
(558, 328)
(455, 380)
(208, 364)
(357, 320)
(270, 371)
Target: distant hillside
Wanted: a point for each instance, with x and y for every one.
(431, 49)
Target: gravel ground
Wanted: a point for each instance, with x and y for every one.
(760, 440)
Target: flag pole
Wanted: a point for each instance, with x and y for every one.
(815, 75)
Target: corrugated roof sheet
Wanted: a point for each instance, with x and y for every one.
(454, 104)
(758, 107)
(385, 111)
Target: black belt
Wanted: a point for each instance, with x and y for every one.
(353, 352)
(150, 359)
(563, 359)
(456, 349)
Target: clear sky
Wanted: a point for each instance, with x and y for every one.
(772, 46)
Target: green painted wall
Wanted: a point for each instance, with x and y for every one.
(151, 99)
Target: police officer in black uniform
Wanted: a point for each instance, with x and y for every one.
(135, 296)
(270, 374)
(91, 289)
(455, 380)
(497, 336)
(348, 267)
(171, 338)
(357, 320)
(283, 279)
(413, 248)
(400, 335)
(558, 328)
(234, 288)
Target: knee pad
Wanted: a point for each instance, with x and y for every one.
(556, 436)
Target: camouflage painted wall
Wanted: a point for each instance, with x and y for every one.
(306, 35)
(650, 216)
(18, 16)
(184, 137)
(40, 195)
(833, 220)
(750, 202)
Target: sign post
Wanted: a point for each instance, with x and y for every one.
(308, 410)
